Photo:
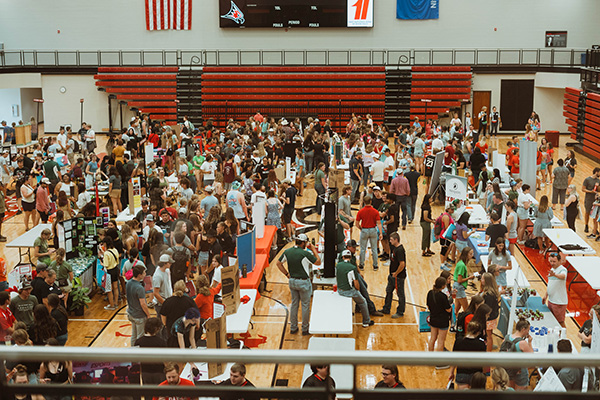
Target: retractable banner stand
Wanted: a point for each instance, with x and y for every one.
(148, 153)
(258, 218)
(528, 165)
(417, 9)
(456, 188)
(436, 171)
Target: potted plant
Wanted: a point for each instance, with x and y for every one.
(83, 251)
(79, 297)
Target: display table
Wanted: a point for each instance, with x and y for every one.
(203, 369)
(533, 303)
(560, 237)
(477, 214)
(124, 215)
(84, 269)
(25, 241)
(522, 281)
(322, 282)
(238, 322)
(331, 314)
(480, 246)
(263, 245)
(252, 280)
(588, 268)
(342, 374)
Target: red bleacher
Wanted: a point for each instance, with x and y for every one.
(153, 90)
(570, 106)
(324, 92)
(445, 86)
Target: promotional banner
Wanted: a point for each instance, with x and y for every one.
(456, 188)
(360, 13)
(417, 9)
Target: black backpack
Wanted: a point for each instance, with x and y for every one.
(510, 346)
(76, 146)
(180, 266)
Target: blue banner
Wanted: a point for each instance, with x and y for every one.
(417, 9)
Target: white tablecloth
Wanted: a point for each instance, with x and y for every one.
(27, 239)
(238, 322)
(477, 213)
(567, 236)
(588, 268)
(331, 314)
(342, 374)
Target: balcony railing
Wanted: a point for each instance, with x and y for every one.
(374, 57)
(471, 359)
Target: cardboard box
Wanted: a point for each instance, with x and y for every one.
(216, 338)
(230, 285)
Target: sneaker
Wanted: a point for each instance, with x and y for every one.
(543, 185)
(376, 314)
(361, 267)
(404, 228)
(305, 333)
(371, 323)
(294, 331)
(453, 329)
(376, 268)
(396, 316)
(150, 305)
(587, 229)
(2, 239)
(382, 311)
(591, 236)
(110, 308)
(597, 239)
(445, 267)
(442, 366)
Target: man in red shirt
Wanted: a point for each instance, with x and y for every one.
(7, 319)
(173, 379)
(516, 163)
(368, 221)
(509, 155)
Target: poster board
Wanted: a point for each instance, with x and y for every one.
(246, 249)
(230, 288)
(456, 188)
(135, 194)
(79, 232)
(19, 275)
(258, 218)
(216, 338)
(438, 163)
(528, 164)
(550, 382)
(105, 215)
(148, 153)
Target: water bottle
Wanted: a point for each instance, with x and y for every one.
(543, 342)
(535, 343)
(244, 271)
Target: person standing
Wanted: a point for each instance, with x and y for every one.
(235, 200)
(401, 188)
(413, 181)
(377, 170)
(556, 294)
(298, 272)
(2, 211)
(572, 206)
(396, 277)
(470, 342)
(495, 122)
(590, 187)
(426, 222)
(559, 183)
(288, 199)
(349, 286)
(356, 174)
(367, 221)
(137, 309)
(440, 314)
(483, 121)
(22, 305)
(161, 282)
(152, 374)
(345, 207)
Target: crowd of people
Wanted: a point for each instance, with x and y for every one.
(206, 180)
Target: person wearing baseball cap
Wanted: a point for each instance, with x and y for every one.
(235, 199)
(298, 261)
(150, 225)
(346, 276)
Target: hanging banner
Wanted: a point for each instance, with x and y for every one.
(456, 188)
(417, 9)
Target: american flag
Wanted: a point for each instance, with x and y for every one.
(168, 14)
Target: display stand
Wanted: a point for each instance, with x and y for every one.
(79, 232)
(435, 172)
(258, 218)
(456, 188)
(246, 249)
(135, 194)
(528, 164)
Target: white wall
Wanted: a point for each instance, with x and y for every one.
(64, 108)
(548, 94)
(20, 81)
(8, 97)
(118, 24)
(28, 106)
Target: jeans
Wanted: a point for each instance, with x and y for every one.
(355, 184)
(308, 158)
(396, 283)
(137, 328)
(365, 293)
(368, 235)
(426, 238)
(360, 301)
(403, 203)
(301, 290)
(62, 339)
(411, 206)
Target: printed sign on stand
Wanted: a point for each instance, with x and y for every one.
(148, 153)
(456, 188)
(550, 382)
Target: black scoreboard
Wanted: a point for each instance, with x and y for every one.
(295, 13)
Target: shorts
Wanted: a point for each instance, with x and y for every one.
(463, 379)
(18, 191)
(543, 166)
(460, 290)
(460, 245)
(114, 274)
(558, 310)
(522, 213)
(43, 216)
(286, 217)
(491, 324)
(512, 240)
(203, 257)
(588, 204)
(445, 243)
(115, 193)
(28, 206)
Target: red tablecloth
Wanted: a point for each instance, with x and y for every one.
(253, 278)
(263, 245)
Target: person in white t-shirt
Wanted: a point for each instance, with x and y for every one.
(455, 121)
(389, 168)
(377, 170)
(556, 294)
(208, 169)
(217, 267)
(90, 138)
(61, 139)
(437, 144)
(161, 281)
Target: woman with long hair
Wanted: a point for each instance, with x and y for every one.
(502, 260)
(440, 313)
(571, 164)
(426, 222)
(205, 297)
(44, 326)
(28, 202)
(300, 165)
(491, 297)
(543, 217)
(572, 206)
(231, 222)
(59, 313)
(500, 379)
(56, 372)
(461, 280)
(464, 317)
(212, 219)
(524, 201)
(114, 191)
(463, 232)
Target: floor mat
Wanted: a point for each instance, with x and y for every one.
(581, 296)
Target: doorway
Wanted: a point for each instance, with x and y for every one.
(516, 103)
(481, 98)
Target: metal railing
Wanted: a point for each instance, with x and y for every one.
(372, 57)
(471, 359)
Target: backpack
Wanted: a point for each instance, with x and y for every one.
(179, 267)
(510, 346)
(191, 126)
(438, 226)
(76, 146)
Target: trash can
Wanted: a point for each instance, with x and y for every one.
(553, 137)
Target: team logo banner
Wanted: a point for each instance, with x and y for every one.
(417, 9)
(360, 13)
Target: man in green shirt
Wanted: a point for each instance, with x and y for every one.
(348, 285)
(22, 305)
(298, 272)
(52, 171)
